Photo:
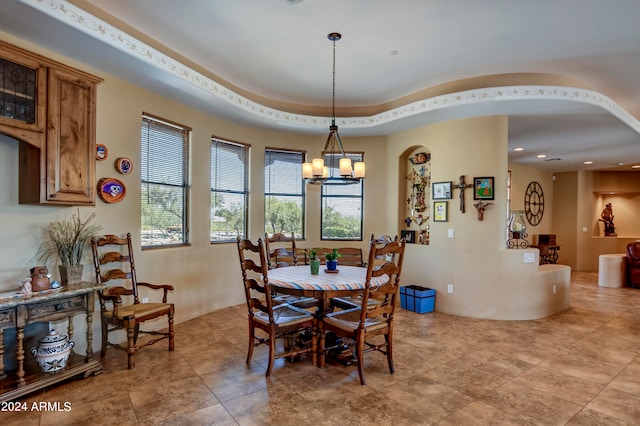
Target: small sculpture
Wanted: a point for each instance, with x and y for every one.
(25, 286)
(607, 217)
(481, 206)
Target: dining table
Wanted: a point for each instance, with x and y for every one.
(298, 281)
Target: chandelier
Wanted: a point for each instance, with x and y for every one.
(323, 170)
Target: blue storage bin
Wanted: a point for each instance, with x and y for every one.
(417, 299)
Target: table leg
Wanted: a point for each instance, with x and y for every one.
(20, 355)
(2, 373)
(89, 337)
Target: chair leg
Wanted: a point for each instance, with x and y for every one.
(320, 339)
(251, 344)
(389, 340)
(360, 355)
(105, 337)
(171, 330)
(131, 327)
(272, 350)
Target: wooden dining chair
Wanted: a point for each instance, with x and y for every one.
(277, 321)
(120, 306)
(368, 322)
(281, 250)
(350, 302)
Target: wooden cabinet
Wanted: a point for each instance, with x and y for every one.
(57, 141)
(18, 312)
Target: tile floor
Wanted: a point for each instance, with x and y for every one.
(579, 367)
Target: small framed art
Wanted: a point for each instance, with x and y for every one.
(440, 211)
(408, 236)
(483, 188)
(441, 191)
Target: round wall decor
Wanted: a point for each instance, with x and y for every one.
(124, 165)
(534, 203)
(101, 152)
(111, 190)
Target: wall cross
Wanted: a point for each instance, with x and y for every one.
(462, 186)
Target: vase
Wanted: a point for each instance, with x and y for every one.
(332, 265)
(71, 274)
(315, 266)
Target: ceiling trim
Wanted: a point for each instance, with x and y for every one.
(483, 101)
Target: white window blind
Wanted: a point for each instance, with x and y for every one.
(164, 171)
(284, 192)
(229, 190)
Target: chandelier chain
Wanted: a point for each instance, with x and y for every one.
(333, 99)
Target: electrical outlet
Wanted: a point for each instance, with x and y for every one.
(554, 289)
(449, 288)
(145, 300)
(529, 258)
(451, 233)
(585, 229)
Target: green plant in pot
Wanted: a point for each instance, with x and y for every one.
(332, 259)
(67, 241)
(314, 262)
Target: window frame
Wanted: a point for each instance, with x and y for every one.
(323, 196)
(303, 194)
(185, 185)
(246, 148)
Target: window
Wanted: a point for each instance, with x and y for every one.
(342, 205)
(164, 169)
(283, 192)
(229, 190)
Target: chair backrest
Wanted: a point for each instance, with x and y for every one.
(393, 253)
(350, 256)
(254, 276)
(281, 250)
(633, 252)
(112, 249)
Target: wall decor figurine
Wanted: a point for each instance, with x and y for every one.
(101, 152)
(481, 207)
(124, 165)
(420, 158)
(111, 190)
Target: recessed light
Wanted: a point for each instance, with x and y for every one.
(588, 162)
(519, 149)
(542, 156)
(637, 166)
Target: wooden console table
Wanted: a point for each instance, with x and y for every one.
(52, 305)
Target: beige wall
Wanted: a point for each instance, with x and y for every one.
(206, 276)
(579, 200)
(489, 281)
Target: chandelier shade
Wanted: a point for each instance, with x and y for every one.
(326, 170)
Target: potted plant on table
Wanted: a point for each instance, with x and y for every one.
(67, 240)
(332, 260)
(314, 262)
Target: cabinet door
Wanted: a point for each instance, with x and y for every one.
(22, 95)
(70, 139)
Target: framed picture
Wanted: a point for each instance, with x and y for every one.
(440, 211)
(483, 188)
(409, 236)
(441, 191)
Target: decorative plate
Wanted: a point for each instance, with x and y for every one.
(124, 165)
(101, 152)
(111, 190)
